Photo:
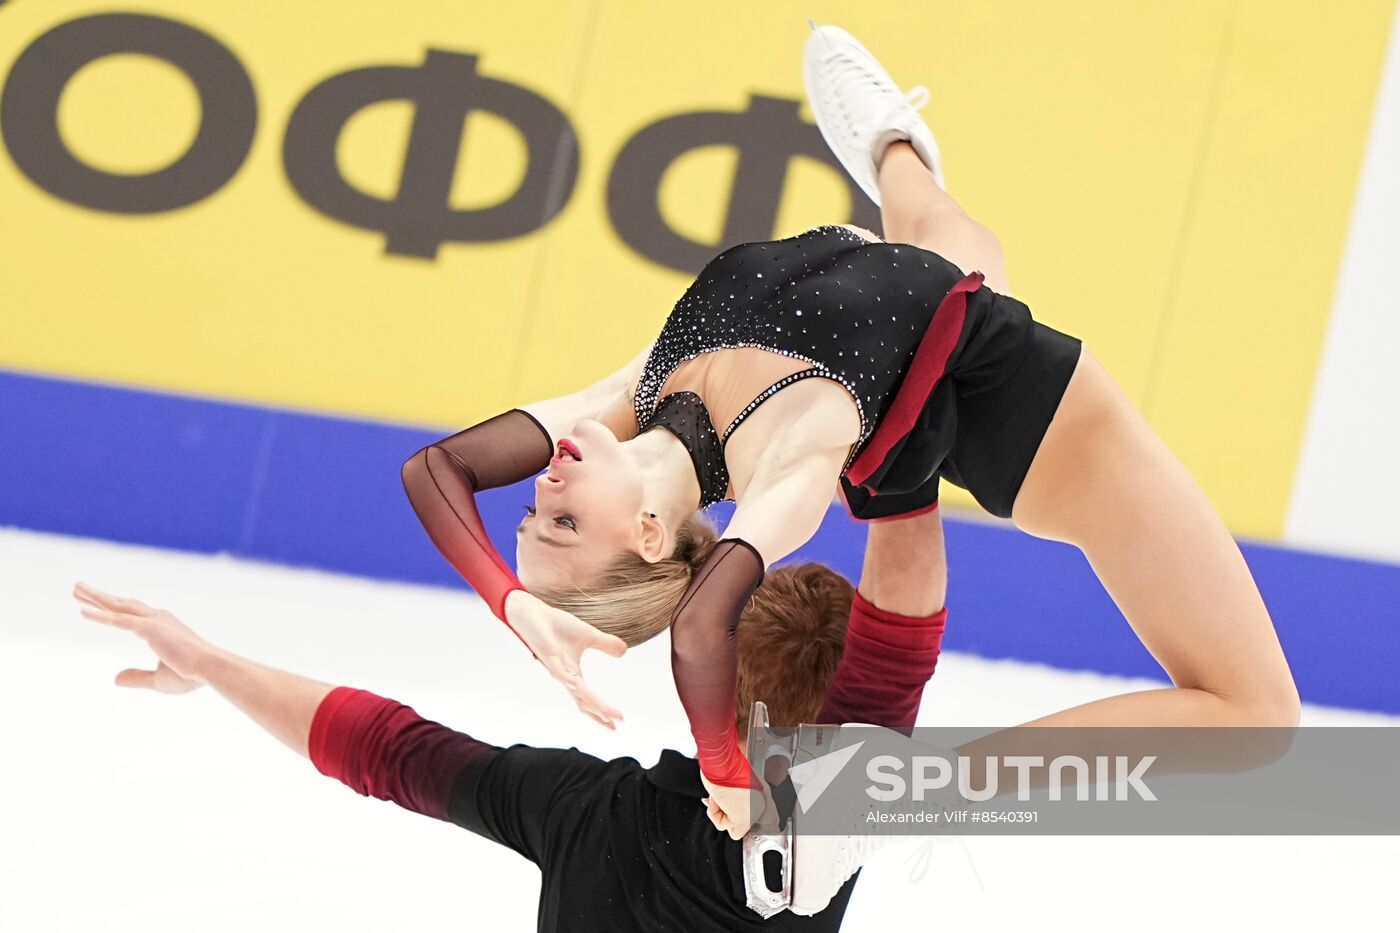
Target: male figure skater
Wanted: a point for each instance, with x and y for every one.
(620, 847)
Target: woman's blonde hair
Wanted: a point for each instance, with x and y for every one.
(634, 598)
(791, 634)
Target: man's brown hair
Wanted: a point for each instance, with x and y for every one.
(791, 636)
(791, 633)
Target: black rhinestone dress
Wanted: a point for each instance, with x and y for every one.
(858, 312)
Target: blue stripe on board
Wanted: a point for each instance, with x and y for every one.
(319, 491)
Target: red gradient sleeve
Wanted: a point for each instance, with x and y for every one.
(380, 748)
(705, 658)
(442, 481)
(887, 661)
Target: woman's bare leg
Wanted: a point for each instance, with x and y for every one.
(915, 210)
(1103, 481)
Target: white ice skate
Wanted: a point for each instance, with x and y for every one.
(860, 110)
(809, 869)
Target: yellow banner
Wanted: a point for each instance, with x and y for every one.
(430, 212)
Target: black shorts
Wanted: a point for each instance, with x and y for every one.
(982, 423)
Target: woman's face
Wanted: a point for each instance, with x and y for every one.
(587, 510)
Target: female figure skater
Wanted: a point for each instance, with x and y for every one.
(834, 357)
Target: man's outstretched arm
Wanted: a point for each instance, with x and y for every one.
(376, 746)
(282, 703)
(896, 625)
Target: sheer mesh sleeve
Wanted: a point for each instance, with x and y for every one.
(705, 657)
(443, 478)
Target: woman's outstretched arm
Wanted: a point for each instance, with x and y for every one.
(782, 508)
(442, 480)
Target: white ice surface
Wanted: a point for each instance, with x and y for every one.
(128, 810)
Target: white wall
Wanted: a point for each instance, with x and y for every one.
(1346, 492)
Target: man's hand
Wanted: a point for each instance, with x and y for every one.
(179, 649)
(559, 639)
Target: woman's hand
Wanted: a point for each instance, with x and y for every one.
(179, 649)
(559, 639)
(729, 807)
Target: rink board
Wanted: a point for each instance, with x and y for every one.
(317, 491)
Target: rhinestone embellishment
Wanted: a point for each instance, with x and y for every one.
(811, 276)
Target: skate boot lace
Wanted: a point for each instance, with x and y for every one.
(850, 74)
(922, 857)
